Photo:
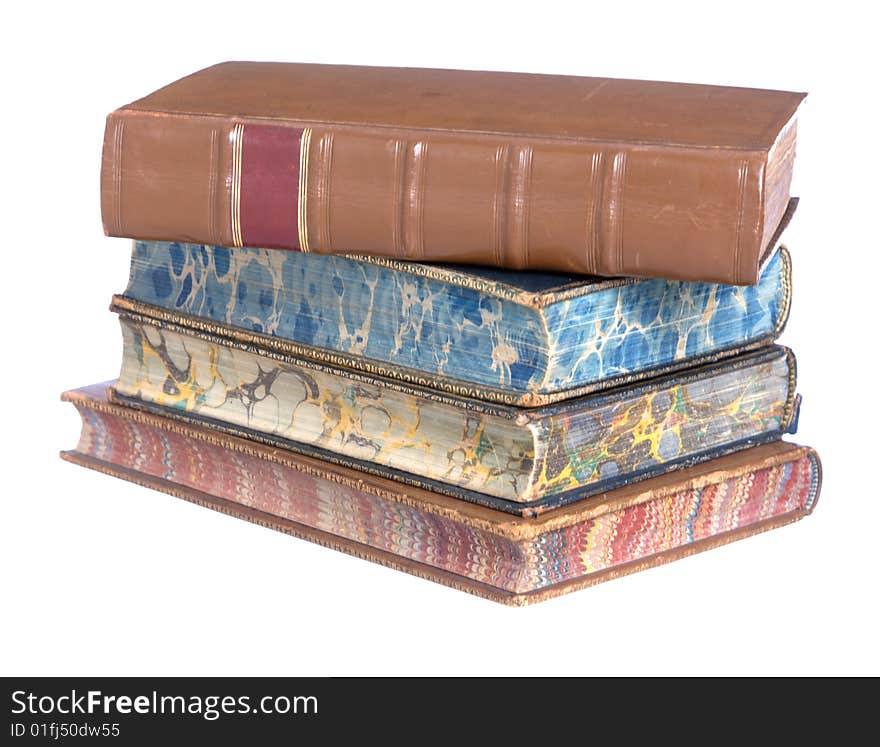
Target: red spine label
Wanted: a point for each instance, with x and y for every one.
(270, 159)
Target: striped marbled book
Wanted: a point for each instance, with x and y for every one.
(526, 459)
(511, 559)
(516, 338)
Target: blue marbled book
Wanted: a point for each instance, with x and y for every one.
(512, 337)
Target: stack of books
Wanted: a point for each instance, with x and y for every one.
(513, 333)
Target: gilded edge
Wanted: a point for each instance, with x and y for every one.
(789, 410)
(303, 196)
(494, 288)
(785, 301)
(415, 568)
(513, 527)
(403, 375)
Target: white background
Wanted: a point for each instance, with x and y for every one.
(102, 577)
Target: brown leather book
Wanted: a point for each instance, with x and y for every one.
(542, 172)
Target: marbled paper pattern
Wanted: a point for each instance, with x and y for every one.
(361, 420)
(638, 430)
(667, 521)
(507, 452)
(525, 333)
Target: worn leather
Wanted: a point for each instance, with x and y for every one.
(585, 175)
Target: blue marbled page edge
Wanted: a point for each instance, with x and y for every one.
(543, 341)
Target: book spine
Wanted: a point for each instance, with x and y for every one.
(507, 201)
(165, 176)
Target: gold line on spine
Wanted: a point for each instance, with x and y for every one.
(302, 211)
(237, 137)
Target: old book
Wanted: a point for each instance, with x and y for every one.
(521, 338)
(509, 559)
(576, 175)
(526, 458)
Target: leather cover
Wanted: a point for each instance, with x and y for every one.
(525, 458)
(580, 175)
(522, 338)
(509, 559)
